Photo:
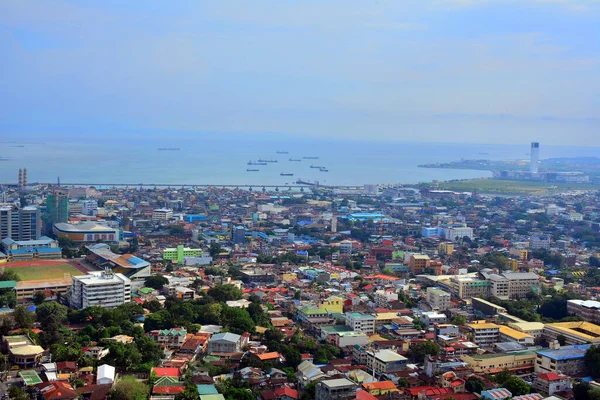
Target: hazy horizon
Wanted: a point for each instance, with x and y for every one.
(449, 71)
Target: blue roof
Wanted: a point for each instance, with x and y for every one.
(304, 223)
(135, 261)
(566, 352)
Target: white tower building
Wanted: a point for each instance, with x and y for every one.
(535, 157)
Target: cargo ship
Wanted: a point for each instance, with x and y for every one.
(295, 159)
(282, 152)
(256, 163)
(168, 148)
(310, 158)
(316, 166)
(286, 174)
(251, 170)
(267, 161)
(304, 182)
(323, 170)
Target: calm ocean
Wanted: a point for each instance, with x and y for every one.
(221, 159)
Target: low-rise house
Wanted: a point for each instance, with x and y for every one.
(224, 343)
(105, 374)
(308, 373)
(170, 338)
(335, 389)
(550, 383)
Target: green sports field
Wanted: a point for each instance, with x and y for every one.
(42, 272)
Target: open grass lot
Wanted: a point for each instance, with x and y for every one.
(514, 187)
(34, 272)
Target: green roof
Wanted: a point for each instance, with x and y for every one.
(30, 377)
(207, 389)
(146, 290)
(311, 311)
(336, 329)
(8, 284)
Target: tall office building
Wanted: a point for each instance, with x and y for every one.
(57, 207)
(20, 223)
(535, 157)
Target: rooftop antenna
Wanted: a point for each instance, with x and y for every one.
(58, 181)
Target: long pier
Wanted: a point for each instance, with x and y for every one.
(198, 186)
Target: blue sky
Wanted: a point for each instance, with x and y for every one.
(491, 71)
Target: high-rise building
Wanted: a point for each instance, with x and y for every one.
(535, 157)
(239, 235)
(100, 289)
(57, 207)
(20, 223)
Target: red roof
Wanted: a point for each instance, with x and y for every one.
(363, 395)
(168, 389)
(550, 376)
(173, 372)
(286, 391)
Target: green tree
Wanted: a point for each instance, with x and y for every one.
(417, 352)
(152, 305)
(592, 361)
(418, 324)
(223, 293)
(16, 393)
(309, 391)
(39, 298)
(156, 282)
(189, 393)
(237, 320)
(158, 320)
(23, 318)
(459, 320)
(474, 385)
(52, 316)
(215, 249)
(403, 383)
(128, 388)
(9, 275)
(502, 376)
(516, 386)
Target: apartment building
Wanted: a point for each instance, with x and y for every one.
(20, 223)
(101, 289)
(468, 287)
(589, 310)
(384, 362)
(162, 215)
(360, 322)
(418, 263)
(568, 360)
(438, 299)
(484, 334)
(539, 242)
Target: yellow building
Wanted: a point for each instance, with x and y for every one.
(385, 318)
(446, 248)
(513, 335)
(494, 363)
(514, 265)
(289, 277)
(333, 304)
(380, 388)
(574, 332)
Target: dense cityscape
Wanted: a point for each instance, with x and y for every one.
(391, 292)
